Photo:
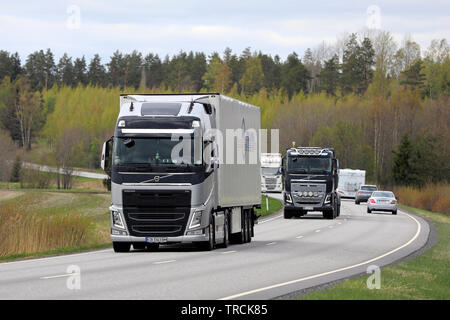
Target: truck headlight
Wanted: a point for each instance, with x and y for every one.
(328, 198)
(196, 219)
(287, 198)
(117, 220)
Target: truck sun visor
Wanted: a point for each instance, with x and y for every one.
(160, 109)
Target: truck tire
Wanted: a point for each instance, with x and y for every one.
(356, 202)
(249, 226)
(299, 213)
(369, 211)
(329, 214)
(338, 210)
(210, 244)
(121, 246)
(287, 214)
(239, 237)
(394, 212)
(245, 226)
(225, 232)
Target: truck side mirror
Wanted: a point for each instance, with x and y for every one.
(106, 156)
(335, 165)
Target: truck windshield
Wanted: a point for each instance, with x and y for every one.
(154, 151)
(270, 171)
(308, 165)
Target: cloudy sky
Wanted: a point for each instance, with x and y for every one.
(86, 27)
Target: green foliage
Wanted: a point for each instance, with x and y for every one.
(419, 162)
(294, 75)
(16, 170)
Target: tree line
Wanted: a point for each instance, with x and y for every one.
(361, 95)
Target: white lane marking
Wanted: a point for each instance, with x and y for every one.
(227, 252)
(330, 227)
(317, 230)
(271, 219)
(59, 276)
(339, 222)
(56, 257)
(299, 237)
(419, 228)
(162, 262)
(271, 243)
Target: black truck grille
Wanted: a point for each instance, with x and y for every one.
(156, 213)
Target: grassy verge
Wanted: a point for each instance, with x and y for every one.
(432, 197)
(423, 277)
(37, 223)
(274, 206)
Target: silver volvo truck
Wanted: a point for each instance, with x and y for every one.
(184, 168)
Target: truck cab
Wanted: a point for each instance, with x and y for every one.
(271, 175)
(310, 182)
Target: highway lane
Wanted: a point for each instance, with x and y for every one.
(284, 256)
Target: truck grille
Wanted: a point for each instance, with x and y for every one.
(271, 183)
(156, 213)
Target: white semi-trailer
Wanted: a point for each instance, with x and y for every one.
(349, 182)
(184, 168)
(271, 176)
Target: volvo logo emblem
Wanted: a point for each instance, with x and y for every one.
(156, 178)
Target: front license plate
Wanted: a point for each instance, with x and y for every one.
(155, 239)
(309, 208)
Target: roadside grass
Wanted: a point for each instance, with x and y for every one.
(39, 223)
(432, 197)
(426, 277)
(274, 206)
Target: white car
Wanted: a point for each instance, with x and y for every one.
(382, 201)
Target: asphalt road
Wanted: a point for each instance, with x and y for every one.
(284, 256)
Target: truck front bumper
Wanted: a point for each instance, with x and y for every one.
(307, 207)
(180, 239)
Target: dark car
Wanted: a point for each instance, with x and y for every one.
(364, 193)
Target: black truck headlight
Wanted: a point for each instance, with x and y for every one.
(117, 220)
(196, 219)
(287, 198)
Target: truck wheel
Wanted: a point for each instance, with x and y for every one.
(394, 212)
(249, 226)
(299, 213)
(209, 245)
(287, 214)
(328, 214)
(121, 246)
(245, 226)
(369, 211)
(338, 210)
(225, 232)
(356, 202)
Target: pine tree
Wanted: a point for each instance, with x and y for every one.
(16, 170)
(406, 165)
(329, 76)
(96, 74)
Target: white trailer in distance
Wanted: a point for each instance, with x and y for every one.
(349, 182)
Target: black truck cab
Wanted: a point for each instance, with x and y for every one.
(310, 182)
